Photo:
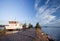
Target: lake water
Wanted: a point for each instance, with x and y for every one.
(54, 32)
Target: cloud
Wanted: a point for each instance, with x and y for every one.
(45, 12)
(55, 23)
(36, 3)
(47, 2)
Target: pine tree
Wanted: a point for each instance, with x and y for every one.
(24, 26)
(37, 26)
(30, 25)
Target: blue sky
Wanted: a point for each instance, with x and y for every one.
(21, 10)
(30, 11)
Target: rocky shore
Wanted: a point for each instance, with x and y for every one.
(26, 35)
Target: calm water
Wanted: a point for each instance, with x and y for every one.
(54, 32)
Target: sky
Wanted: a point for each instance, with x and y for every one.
(30, 11)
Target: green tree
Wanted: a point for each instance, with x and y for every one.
(30, 25)
(24, 26)
(37, 26)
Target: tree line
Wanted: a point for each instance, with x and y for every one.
(31, 26)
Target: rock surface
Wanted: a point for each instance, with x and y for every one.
(25, 35)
